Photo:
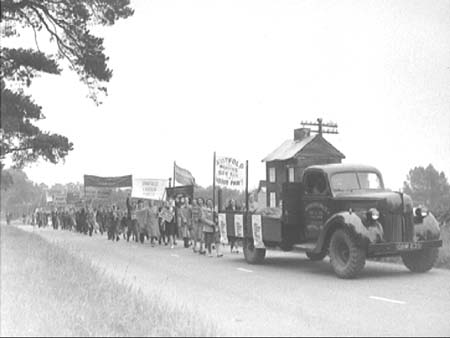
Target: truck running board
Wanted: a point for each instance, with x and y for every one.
(305, 247)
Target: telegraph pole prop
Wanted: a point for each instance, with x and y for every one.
(331, 127)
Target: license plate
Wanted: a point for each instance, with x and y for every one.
(409, 246)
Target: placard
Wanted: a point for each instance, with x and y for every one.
(230, 173)
(223, 228)
(148, 188)
(239, 225)
(257, 232)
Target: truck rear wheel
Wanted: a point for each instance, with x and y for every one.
(253, 255)
(420, 261)
(347, 258)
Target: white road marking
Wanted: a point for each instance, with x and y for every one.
(244, 270)
(175, 255)
(388, 300)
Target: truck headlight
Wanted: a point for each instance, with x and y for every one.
(421, 212)
(373, 214)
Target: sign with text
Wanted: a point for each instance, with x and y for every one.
(147, 188)
(185, 191)
(108, 182)
(93, 193)
(239, 225)
(230, 173)
(166, 215)
(73, 197)
(257, 232)
(223, 228)
(58, 196)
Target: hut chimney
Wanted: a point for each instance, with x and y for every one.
(301, 133)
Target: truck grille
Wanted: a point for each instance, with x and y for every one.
(393, 227)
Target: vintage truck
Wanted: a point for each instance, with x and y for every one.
(345, 212)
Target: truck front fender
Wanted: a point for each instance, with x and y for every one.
(427, 228)
(345, 220)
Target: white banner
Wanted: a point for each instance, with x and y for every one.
(223, 228)
(230, 173)
(257, 232)
(48, 198)
(148, 188)
(239, 225)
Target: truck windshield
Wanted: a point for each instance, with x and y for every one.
(350, 181)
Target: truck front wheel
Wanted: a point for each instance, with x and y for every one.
(253, 255)
(346, 257)
(420, 261)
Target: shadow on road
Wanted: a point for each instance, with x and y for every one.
(302, 265)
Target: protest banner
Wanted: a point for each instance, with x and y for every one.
(182, 176)
(239, 225)
(185, 191)
(48, 197)
(58, 197)
(108, 182)
(96, 193)
(257, 232)
(222, 218)
(230, 173)
(147, 188)
(73, 197)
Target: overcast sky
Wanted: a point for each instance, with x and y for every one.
(236, 77)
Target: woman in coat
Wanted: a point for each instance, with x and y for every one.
(152, 222)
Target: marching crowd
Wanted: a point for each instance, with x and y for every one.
(192, 221)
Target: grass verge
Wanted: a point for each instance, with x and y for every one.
(45, 291)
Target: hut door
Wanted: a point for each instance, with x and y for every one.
(292, 195)
(316, 204)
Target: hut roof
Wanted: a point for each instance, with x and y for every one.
(291, 148)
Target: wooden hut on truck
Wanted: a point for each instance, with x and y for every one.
(287, 162)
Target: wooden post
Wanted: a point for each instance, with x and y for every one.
(214, 182)
(219, 199)
(174, 163)
(246, 185)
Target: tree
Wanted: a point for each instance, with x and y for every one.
(428, 187)
(67, 23)
(22, 196)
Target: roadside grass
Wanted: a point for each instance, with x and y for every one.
(444, 252)
(46, 291)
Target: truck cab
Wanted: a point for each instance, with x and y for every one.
(344, 211)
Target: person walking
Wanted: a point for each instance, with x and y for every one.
(232, 207)
(210, 229)
(152, 222)
(186, 221)
(196, 227)
(168, 217)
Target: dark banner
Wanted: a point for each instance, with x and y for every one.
(184, 190)
(108, 182)
(73, 197)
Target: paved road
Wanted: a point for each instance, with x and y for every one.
(288, 295)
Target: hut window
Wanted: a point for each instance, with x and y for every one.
(291, 174)
(272, 175)
(273, 200)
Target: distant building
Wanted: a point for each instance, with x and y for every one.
(288, 161)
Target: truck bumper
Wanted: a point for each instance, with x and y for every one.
(386, 249)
